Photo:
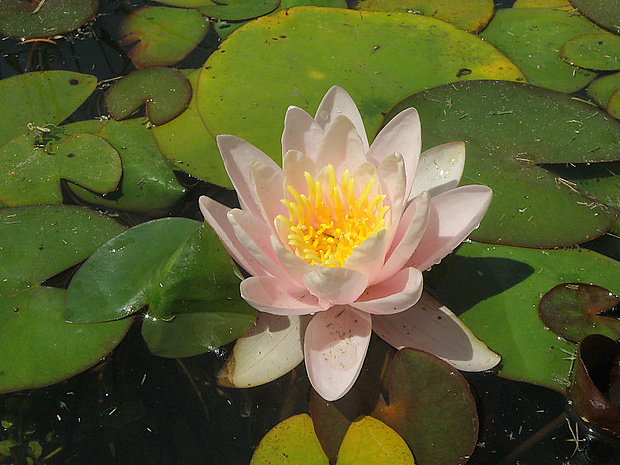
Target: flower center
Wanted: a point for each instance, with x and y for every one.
(326, 231)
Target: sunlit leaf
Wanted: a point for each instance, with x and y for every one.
(555, 4)
(606, 13)
(602, 87)
(165, 91)
(593, 51)
(164, 35)
(44, 18)
(238, 10)
(509, 129)
(532, 38)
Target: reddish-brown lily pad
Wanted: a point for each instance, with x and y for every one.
(595, 387)
(573, 310)
(44, 18)
(165, 91)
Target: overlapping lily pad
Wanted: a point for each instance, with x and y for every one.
(44, 18)
(606, 13)
(402, 53)
(164, 35)
(556, 4)
(508, 129)
(603, 87)
(532, 38)
(593, 51)
(37, 346)
(238, 10)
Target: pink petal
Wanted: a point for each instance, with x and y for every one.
(216, 215)
(408, 235)
(338, 102)
(439, 169)
(369, 256)
(391, 172)
(238, 155)
(296, 267)
(454, 215)
(295, 164)
(393, 295)
(265, 293)
(431, 327)
(268, 183)
(334, 286)
(401, 135)
(341, 146)
(301, 132)
(335, 346)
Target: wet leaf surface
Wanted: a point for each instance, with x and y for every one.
(165, 91)
(573, 311)
(593, 51)
(429, 399)
(595, 388)
(510, 128)
(37, 346)
(44, 18)
(238, 10)
(606, 14)
(164, 35)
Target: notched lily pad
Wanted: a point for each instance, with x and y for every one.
(573, 310)
(164, 35)
(165, 91)
(605, 13)
(238, 10)
(595, 387)
(43, 18)
(593, 51)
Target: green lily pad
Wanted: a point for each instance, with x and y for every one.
(555, 4)
(290, 442)
(148, 184)
(32, 166)
(165, 91)
(37, 346)
(187, 3)
(602, 87)
(238, 10)
(509, 128)
(164, 35)
(593, 51)
(606, 14)
(44, 18)
(573, 310)
(471, 15)
(532, 37)
(402, 53)
(499, 300)
(430, 400)
(39, 99)
(613, 104)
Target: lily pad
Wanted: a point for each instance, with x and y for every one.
(532, 37)
(593, 51)
(471, 15)
(606, 14)
(595, 386)
(37, 346)
(429, 400)
(187, 3)
(148, 184)
(499, 302)
(44, 18)
(508, 129)
(555, 4)
(39, 99)
(238, 10)
(402, 53)
(613, 104)
(602, 87)
(165, 91)
(32, 166)
(164, 35)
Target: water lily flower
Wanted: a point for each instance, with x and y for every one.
(342, 233)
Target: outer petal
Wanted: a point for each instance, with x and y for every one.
(338, 102)
(402, 135)
(238, 155)
(216, 215)
(454, 215)
(269, 349)
(393, 295)
(301, 132)
(341, 146)
(265, 293)
(439, 169)
(432, 327)
(268, 184)
(335, 286)
(335, 346)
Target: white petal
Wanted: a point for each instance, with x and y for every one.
(391, 172)
(301, 132)
(341, 146)
(431, 327)
(296, 267)
(294, 165)
(265, 293)
(268, 182)
(368, 257)
(272, 347)
(393, 295)
(335, 346)
(335, 286)
(439, 169)
(338, 102)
